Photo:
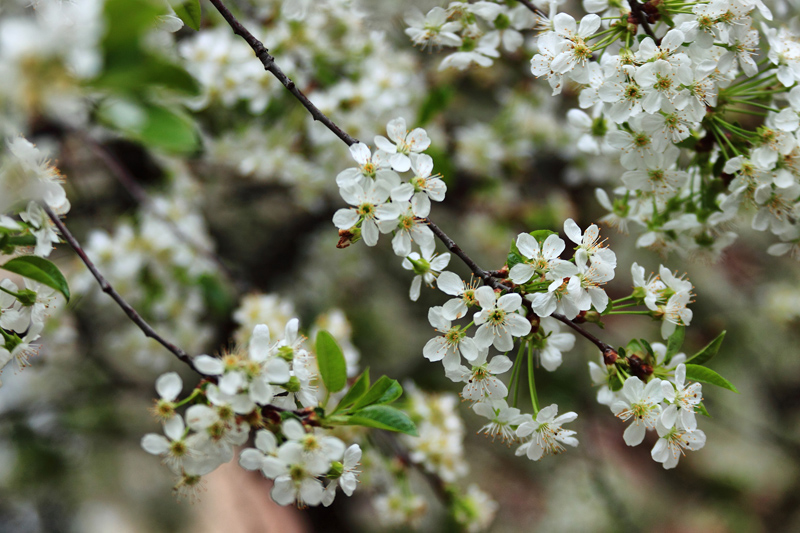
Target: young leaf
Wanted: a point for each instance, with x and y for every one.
(394, 391)
(514, 256)
(705, 355)
(706, 375)
(39, 269)
(332, 366)
(377, 391)
(384, 417)
(674, 343)
(702, 410)
(355, 393)
(190, 13)
(541, 235)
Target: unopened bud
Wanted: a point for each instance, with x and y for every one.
(610, 356)
(348, 237)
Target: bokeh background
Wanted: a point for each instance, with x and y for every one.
(221, 219)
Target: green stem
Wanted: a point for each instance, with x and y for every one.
(189, 398)
(12, 293)
(532, 381)
(515, 377)
(625, 299)
(754, 104)
(746, 111)
(629, 312)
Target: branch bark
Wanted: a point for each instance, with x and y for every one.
(269, 64)
(106, 287)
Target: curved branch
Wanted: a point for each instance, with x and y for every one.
(639, 13)
(269, 64)
(533, 8)
(108, 289)
(268, 61)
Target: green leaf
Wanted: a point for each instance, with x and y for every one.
(514, 256)
(330, 359)
(706, 375)
(702, 410)
(22, 240)
(647, 348)
(39, 269)
(356, 391)
(674, 343)
(382, 387)
(190, 13)
(384, 417)
(705, 355)
(392, 393)
(154, 126)
(634, 347)
(541, 235)
(168, 130)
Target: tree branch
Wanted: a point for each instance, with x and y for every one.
(605, 348)
(108, 289)
(533, 8)
(144, 326)
(269, 64)
(641, 16)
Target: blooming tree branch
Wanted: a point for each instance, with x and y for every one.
(269, 64)
(106, 287)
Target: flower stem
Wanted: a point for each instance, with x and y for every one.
(532, 381)
(515, 373)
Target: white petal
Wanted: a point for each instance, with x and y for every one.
(169, 386)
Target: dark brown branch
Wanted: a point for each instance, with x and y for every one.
(641, 16)
(529, 5)
(605, 348)
(138, 192)
(142, 324)
(269, 63)
(108, 289)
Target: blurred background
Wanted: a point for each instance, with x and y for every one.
(216, 216)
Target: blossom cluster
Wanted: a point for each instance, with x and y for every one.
(28, 181)
(243, 390)
(685, 88)
(536, 289)
(694, 79)
(158, 261)
(667, 406)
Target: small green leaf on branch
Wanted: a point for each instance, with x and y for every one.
(39, 269)
(330, 358)
(706, 375)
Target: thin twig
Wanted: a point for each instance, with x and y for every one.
(529, 5)
(597, 342)
(108, 289)
(269, 64)
(641, 15)
(143, 325)
(138, 192)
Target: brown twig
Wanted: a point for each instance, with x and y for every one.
(269, 64)
(641, 16)
(142, 323)
(533, 8)
(106, 287)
